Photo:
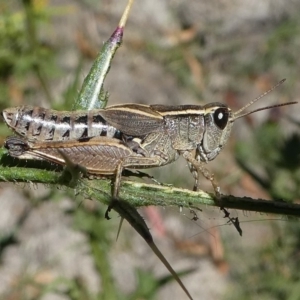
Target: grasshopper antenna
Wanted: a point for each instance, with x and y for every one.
(237, 116)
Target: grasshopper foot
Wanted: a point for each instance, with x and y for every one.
(109, 208)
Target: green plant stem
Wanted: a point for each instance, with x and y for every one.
(92, 94)
(141, 194)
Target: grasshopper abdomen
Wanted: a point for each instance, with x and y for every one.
(41, 124)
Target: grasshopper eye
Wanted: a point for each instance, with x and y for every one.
(221, 117)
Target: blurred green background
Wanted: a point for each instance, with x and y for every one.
(54, 246)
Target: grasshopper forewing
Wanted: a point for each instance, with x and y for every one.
(38, 124)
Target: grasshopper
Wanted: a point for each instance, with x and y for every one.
(105, 141)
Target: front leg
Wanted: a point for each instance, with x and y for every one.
(198, 167)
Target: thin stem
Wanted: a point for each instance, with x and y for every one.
(141, 194)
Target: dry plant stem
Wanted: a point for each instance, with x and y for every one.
(125, 15)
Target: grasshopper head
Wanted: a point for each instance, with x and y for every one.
(218, 124)
(218, 119)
